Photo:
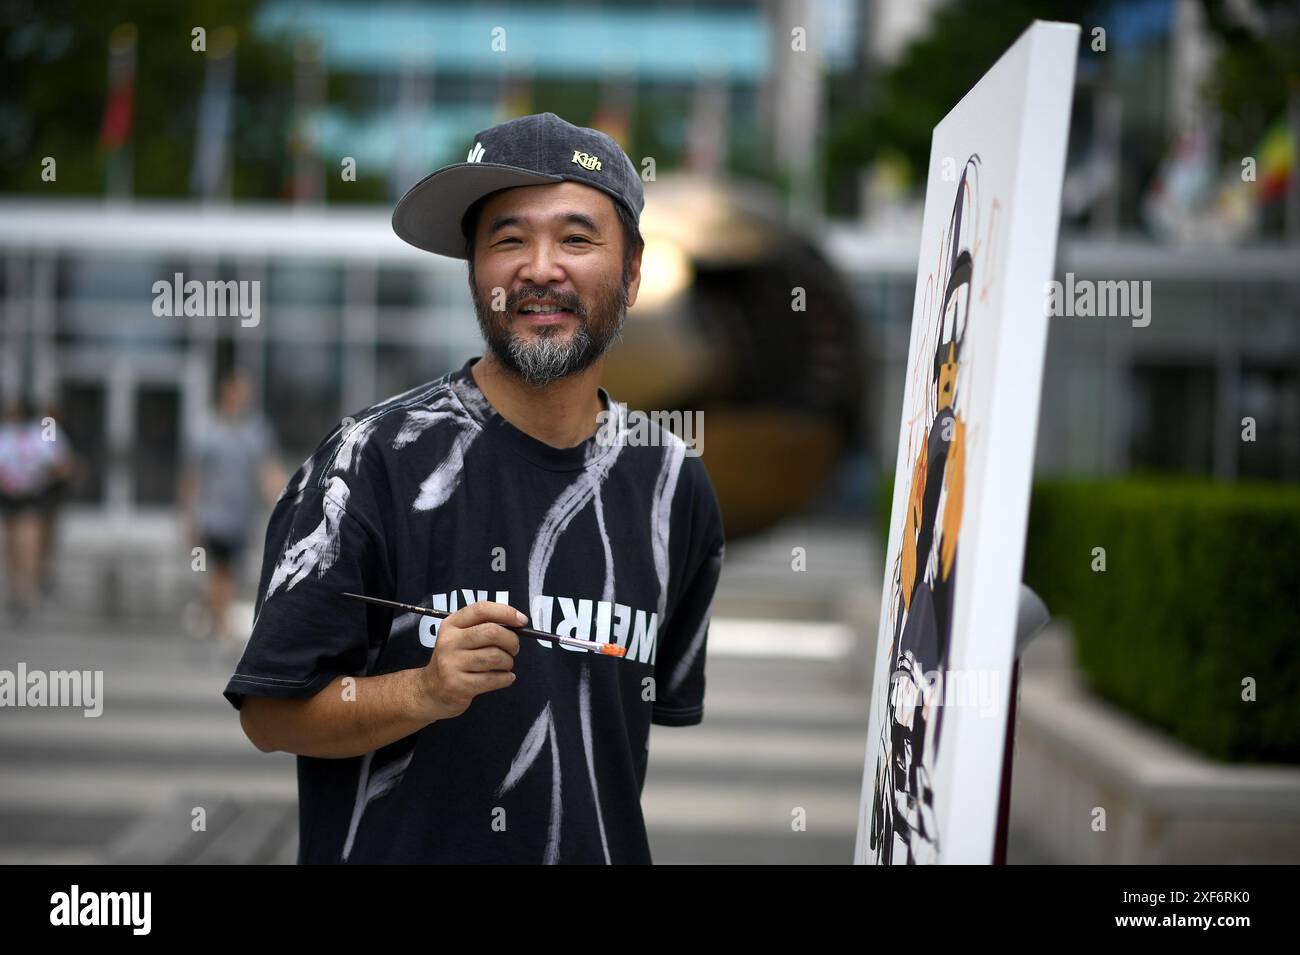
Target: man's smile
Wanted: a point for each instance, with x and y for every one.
(541, 312)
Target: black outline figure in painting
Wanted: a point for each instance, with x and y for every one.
(903, 822)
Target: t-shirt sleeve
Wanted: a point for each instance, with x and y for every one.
(679, 661)
(320, 543)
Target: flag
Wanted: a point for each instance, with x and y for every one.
(617, 104)
(414, 94)
(706, 137)
(208, 174)
(307, 178)
(115, 130)
(1276, 157)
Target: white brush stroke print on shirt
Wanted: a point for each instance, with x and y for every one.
(318, 550)
(371, 788)
(437, 488)
(543, 729)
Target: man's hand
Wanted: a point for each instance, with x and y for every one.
(474, 654)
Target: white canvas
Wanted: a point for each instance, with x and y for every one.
(992, 206)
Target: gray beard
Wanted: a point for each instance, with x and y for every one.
(549, 355)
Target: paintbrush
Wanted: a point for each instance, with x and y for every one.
(609, 649)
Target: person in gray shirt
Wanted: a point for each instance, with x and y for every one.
(228, 466)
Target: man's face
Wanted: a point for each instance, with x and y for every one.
(558, 246)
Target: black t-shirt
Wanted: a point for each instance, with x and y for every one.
(432, 498)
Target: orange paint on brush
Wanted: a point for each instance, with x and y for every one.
(613, 650)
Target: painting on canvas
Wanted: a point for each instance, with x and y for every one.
(961, 491)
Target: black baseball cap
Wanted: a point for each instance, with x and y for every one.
(526, 151)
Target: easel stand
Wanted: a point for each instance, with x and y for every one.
(1030, 619)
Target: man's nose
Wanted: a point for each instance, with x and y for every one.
(543, 264)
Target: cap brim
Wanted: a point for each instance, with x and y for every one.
(428, 216)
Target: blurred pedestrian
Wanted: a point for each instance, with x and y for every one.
(227, 465)
(62, 469)
(24, 461)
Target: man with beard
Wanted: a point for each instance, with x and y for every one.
(503, 492)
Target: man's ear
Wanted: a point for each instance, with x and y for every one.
(634, 276)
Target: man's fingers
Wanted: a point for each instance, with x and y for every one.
(485, 660)
(486, 682)
(489, 635)
(485, 611)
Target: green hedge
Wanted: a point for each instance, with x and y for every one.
(1201, 590)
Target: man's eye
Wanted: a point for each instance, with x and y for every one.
(579, 238)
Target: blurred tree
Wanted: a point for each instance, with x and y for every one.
(54, 56)
(1257, 71)
(907, 98)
